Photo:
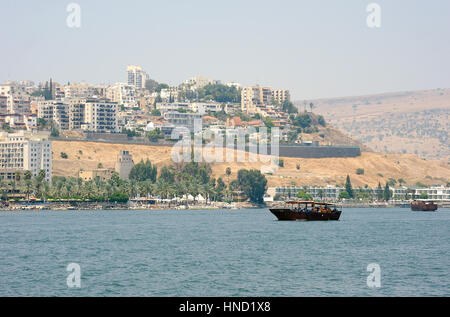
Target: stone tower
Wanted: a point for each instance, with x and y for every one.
(124, 164)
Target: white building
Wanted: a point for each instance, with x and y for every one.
(100, 115)
(192, 121)
(25, 151)
(123, 94)
(200, 81)
(434, 193)
(54, 110)
(169, 94)
(136, 77)
(205, 107)
(79, 91)
(164, 107)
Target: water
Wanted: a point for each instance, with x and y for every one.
(223, 253)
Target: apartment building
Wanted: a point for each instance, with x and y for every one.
(252, 97)
(123, 94)
(136, 77)
(56, 111)
(164, 107)
(192, 121)
(200, 81)
(18, 104)
(76, 113)
(100, 115)
(281, 95)
(79, 91)
(206, 107)
(25, 151)
(3, 104)
(169, 94)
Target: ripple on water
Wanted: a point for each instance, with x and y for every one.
(223, 253)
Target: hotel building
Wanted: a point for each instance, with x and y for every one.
(24, 151)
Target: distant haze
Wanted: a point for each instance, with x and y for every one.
(316, 49)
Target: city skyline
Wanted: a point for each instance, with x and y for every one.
(316, 50)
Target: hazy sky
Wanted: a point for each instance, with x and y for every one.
(314, 48)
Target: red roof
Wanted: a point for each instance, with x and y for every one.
(237, 121)
(210, 118)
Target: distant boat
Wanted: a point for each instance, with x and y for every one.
(307, 210)
(420, 205)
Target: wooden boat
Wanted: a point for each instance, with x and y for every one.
(307, 210)
(420, 205)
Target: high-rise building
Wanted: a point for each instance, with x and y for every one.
(76, 113)
(136, 76)
(100, 115)
(25, 151)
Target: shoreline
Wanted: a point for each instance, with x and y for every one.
(145, 205)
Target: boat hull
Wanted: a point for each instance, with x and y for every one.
(420, 207)
(292, 215)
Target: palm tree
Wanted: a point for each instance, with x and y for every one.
(28, 184)
(28, 175)
(17, 176)
(228, 173)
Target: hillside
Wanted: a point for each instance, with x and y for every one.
(377, 167)
(414, 122)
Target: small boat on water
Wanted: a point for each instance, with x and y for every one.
(307, 210)
(421, 205)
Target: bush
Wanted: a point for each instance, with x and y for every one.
(344, 195)
(281, 163)
(64, 155)
(360, 171)
(119, 197)
(321, 121)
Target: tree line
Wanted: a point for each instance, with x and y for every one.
(172, 181)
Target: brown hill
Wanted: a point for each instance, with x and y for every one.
(415, 122)
(377, 167)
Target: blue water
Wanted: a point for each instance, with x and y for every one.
(223, 253)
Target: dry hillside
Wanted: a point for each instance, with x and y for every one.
(415, 122)
(377, 167)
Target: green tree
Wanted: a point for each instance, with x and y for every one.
(144, 171)
(119, 197)
(155, 135)
(304, 196)
(303, 120)
(387, 194)
(289, 107)
(321, 120)
(253, 184)
(348, 187)
(344, 195)
(379, 192)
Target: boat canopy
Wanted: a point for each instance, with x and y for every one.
(309, 202)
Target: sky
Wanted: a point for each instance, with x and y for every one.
(314, 48)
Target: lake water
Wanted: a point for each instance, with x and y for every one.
(223, 253)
